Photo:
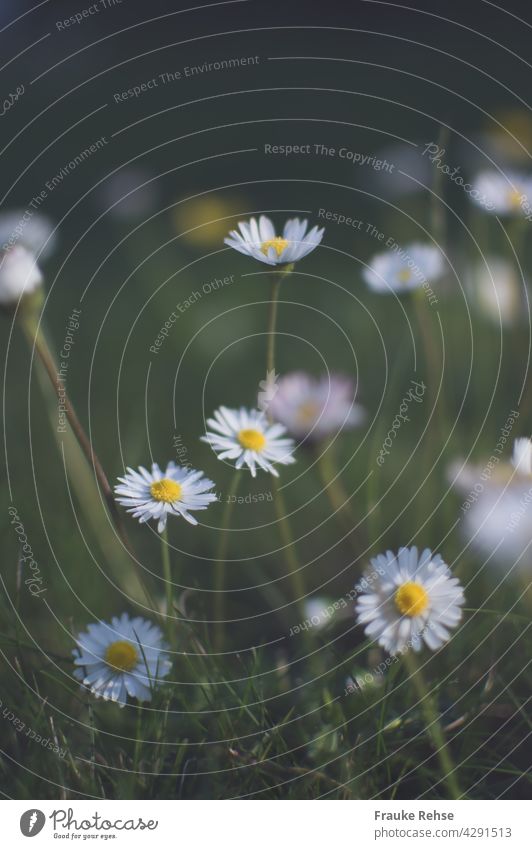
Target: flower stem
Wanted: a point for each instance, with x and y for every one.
(78, 439)
(289, 550)
(167, 572)
(433, 725)
(272, 321)
(339, 500)
(36, 337)
(221, 557)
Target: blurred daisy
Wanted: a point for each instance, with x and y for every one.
(412, 598)
(503, 194)
(315, 407)
(247, 437)
(130, 194)
(124, 658)
(404, 269)
(261, 242)
(496, 289)
(20, 275)
(34, 232)
(157, 495)
(498, 505)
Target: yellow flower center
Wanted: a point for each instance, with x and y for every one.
(278, 244)
(411, 599)
(166, 490)
(251, 439)
(121, 655)
(308, 412)
(515, 198)
(404, 275)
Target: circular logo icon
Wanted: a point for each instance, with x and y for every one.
(32, 822)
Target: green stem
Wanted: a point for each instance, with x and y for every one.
(289, 551)
(433, 725)
(338, 497)
(36, 337)
(272, 320)
(167, 572)
(221, 557)
(77, 438)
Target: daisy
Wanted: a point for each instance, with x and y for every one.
(315, 407)
(123, 658)
(496, 289)
(20, 275)
(260, 241)
(411, 598)
(247, 437)
(497, 506)
(404, 269)
(503, 194)
(35, 233)
(156, 495)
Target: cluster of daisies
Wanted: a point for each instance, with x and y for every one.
(408, 599)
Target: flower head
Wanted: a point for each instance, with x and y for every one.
(503, 194)
(498, 505)
(261, 242)
(404, 269)
(157, 495)
(496, 290)
(315, 407)
(247, 437)
(409, 598)
(35, 233)
(20, 275)
(124, 658)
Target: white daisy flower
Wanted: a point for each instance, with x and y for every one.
(404, 269)
(503, 194)
(247, 437)
(260, 241)
(496, 289)
(411, 598)
(157, 495)
(124, 658)
(315, 407)
(35, 233)
(497, 507)
(19, 275)
(522, 456)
